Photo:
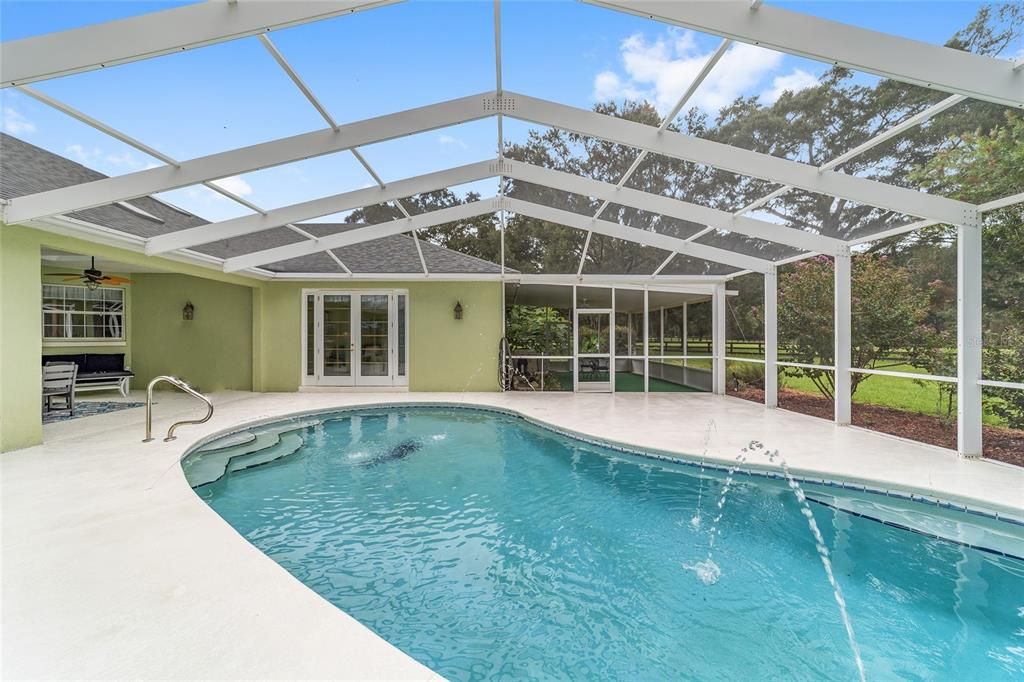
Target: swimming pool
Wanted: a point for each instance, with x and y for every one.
(486, 546)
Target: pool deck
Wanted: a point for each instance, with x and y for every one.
(113, 568)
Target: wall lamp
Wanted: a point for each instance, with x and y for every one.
(458, 310)
(189, 311)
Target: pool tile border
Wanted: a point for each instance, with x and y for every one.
(635, 451)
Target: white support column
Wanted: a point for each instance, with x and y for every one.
(842, 331)
(718, 338)
(575, 345)
(661, 336)
(686, 334)
(647, 349)
(771, 338)
(629, 333)
(968, 336)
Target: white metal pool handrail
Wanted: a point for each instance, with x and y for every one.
(178, 383)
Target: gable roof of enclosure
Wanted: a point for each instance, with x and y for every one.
(277, 243)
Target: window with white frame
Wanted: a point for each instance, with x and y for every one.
(78, 313)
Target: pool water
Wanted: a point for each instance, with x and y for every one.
(487, 547)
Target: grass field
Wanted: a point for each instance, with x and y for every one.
(895, 392)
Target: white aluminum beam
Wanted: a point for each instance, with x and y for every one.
(832, 42)
(737, 160)
(362, 234)
(481, 207)
(146, 149)
(128, 140)
(1011, 200)
(704, 72)
(247, 159)
(322, 110)
(297, 80)
(664, 264)
(480, 171)
(674, 208)
(917, 119)
(704, 282)
(158, 33)
(316, 208)
(636, 235)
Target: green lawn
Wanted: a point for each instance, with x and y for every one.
(895, 392)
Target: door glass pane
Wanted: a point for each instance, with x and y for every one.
(310, 335)
(337, 336)
(594, 333)
(373, 335)
(594, 370)
(401, 335)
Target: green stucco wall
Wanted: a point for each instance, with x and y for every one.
(213, 351)
(445, 354)
(20, 340)
(246, 334)
(21, 333)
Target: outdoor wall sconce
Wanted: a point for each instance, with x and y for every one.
(189, 311)
(458, 310)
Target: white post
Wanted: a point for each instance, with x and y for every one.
(842, 331)
(718, 338)
(771, 337)
(968, 333)
(629, 334)
(647, 350)
(661, 335)
(686, 334)
(575, 344)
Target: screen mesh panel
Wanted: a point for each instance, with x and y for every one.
(610, 256)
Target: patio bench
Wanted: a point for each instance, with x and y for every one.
(97, 371)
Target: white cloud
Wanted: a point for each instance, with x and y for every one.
(451, 141)
(608, 85)
(16, 124)
(123, 160)
(661, 70)
(793, 82)
(96, 157)
(81, 154)
(235, 185)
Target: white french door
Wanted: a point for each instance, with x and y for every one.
(355, 338)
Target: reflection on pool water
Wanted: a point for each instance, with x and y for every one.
(485, 546)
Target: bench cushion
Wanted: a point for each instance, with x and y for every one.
(103, 362)
(91, 363)
(102, 376)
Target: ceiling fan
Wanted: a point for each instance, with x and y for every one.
(91, 277)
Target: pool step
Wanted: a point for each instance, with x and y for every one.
(207, 466)
(229, 441)
(947, 524)
(286, 445)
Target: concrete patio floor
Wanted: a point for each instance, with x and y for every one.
(113, 567)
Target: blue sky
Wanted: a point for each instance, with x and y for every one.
(392, 58)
